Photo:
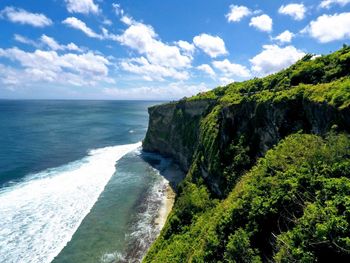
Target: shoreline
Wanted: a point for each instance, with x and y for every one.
(166, 206)
(155, 206)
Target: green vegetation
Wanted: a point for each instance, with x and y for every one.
(241, 202)
(308, 70)
(294, 205)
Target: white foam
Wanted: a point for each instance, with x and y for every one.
(38, 217)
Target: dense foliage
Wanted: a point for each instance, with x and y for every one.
(293, 206)
(309, 70)
(290, 205)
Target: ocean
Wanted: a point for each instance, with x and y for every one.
(75, 185)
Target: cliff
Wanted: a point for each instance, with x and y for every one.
(174, 129)
(220, 139)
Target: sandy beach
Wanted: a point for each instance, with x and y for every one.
(167, 205)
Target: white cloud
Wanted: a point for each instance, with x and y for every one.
(107, 22)
(82, 6)
(186, 47)
(214, 46)
(207, 69)
(54, 45)
(329, 3)
(151, 72)
(24, 40)
(225, 81)
(76, 23)
(143, 39)
(274, 58)
(327, 28)
(48, 66)
(296, 11)
(9, 77)
(49, 41)
(263, 23)
(127, 20)
(118, 10)
(172, 91)
(107, 35)
(285, 37)
(158, 60)
(231, 69)
(21, 16)
(46, 41)
(73, 47)
(237, 13)
(80, 25)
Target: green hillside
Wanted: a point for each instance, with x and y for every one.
(268, 168)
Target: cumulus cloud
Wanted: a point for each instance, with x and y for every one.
(75, 23)
(8, 77)
(274, 58)
(143, 39)
(213, 46)
(158, 60)
(54, 45)
(262, 23)
(21, 16)
(231, 69)
(285, 37)
(237, 13)
(69, 68)
(225, 81)
(173, 91)
(186, 47)
(151, 71)
(329, 3)
(46, 41)
(82, 6)
(327, 28)
(207, 69)
(296, 11)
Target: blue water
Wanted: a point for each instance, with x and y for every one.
(36, 135)
(75, 185)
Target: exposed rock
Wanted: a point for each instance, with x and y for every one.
(174, 128)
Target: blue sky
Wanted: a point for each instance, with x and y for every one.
(156, 49)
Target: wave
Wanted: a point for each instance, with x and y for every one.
(144, 228)
(40, 215)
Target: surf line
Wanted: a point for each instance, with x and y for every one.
(40, 215)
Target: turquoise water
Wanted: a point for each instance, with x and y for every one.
(36, 135)
(75, 185)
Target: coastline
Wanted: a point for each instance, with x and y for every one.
(153, 208)
(166, 206)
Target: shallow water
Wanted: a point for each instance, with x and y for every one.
(121, 224)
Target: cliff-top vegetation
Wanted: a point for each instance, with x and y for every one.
(269, 173)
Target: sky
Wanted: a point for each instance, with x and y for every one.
(156, 49)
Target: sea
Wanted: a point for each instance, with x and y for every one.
(75, 185)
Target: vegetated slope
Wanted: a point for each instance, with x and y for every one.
(268, 164)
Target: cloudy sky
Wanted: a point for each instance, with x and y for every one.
(156, 49)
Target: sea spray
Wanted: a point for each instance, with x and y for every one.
(40, 214)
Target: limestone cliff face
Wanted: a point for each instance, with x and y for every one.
(265, 124)
(175, 129)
